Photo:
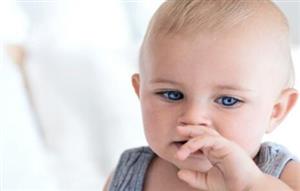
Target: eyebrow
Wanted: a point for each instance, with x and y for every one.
(233, 88)
(161, 80)
(218, 87)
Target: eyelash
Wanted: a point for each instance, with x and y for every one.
(220, 100)
(164, 94)
(236, 101)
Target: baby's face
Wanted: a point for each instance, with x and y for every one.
(220, 83)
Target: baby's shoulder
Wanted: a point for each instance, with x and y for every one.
(278, 161)
(131, 169)
(272, 158)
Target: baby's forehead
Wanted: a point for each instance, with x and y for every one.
(239, 51)
(237, 42)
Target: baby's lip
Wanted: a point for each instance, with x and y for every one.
(180, 143)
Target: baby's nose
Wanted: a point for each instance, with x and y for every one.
(195, 114)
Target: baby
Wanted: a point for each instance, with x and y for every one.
(215, 76)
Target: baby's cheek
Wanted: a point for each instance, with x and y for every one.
(246, 134)
(154, 127)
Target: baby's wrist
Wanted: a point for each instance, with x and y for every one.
(255, 178)
(256, 181)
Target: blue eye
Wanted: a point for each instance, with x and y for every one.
(171, 95)
(227, 101)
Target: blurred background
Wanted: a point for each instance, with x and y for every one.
(67, 108)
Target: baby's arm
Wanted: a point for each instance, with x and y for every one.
(267, 182)
(232, 168)
(107, 183)
(291, 175)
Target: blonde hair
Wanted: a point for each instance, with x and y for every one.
(190, 17)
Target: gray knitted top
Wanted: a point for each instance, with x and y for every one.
(132, 167)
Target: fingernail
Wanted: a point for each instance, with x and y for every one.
(181, 128)
(180, 174)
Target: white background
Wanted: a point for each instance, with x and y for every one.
(80, 56)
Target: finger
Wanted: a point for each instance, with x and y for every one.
(193, 178)
(190, 131)
(193, 131)
(204, 142)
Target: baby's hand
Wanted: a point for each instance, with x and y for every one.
(233, 169)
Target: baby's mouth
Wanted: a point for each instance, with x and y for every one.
(179, 144)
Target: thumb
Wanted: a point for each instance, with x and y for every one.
(193, 178)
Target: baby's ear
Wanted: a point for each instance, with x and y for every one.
(283, 106)
(135, 80)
